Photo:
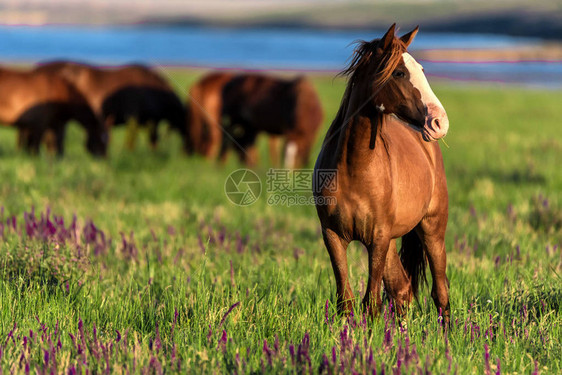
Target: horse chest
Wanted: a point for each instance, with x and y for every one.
(357, 210)
(372, 201)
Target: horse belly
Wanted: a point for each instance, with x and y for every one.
(412, 192)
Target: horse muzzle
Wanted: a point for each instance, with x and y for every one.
(436, 124)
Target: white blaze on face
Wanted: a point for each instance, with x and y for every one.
(437, 122)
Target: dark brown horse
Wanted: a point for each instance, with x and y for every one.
(124, 93)
(254, 103)
(389, 176)
(204, 104)
(39, 102)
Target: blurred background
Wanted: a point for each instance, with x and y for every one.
(470, 40)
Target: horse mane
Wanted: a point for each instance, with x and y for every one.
(362, 61)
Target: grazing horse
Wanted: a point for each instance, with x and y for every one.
(255, 103)
(389, 176)
(204, 104)
(39, 102)
(124, 93)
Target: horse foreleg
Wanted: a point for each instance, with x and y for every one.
(303, 152)
(297, 150)
(50, 141)
(153, 134)
(291, 151)
(34, 142)
(377, 260)
(108, 123)
(132, 132)
(274, 150)
(223, 153)
(433, 239)
(249, 155)
(396, 281)
(247, 148)
(23, 136)
(337, 248)
(58, 133)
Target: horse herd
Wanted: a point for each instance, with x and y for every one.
(223, 110)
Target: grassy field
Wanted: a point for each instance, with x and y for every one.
(139, 263)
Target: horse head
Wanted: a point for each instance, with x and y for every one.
(394, 83)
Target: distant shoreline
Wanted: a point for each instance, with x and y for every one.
(549, 31)
(521, 18)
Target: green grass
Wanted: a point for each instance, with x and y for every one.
(503, 169)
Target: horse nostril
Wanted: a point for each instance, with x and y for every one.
(435, 124)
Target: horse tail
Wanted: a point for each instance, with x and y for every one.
(414, 260)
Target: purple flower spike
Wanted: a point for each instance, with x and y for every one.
(174, 323)
(209, 334)
(325, 365)
(157, 341)
(486, 360)
(222, 342)
(387, 339)
(46, 357)
(228, 312)
(292, 352)
(267, 353)
(201, 246)
(326, 312)
(232, 283)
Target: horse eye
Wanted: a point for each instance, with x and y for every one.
(398, 74)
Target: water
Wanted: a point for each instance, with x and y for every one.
(293, 49)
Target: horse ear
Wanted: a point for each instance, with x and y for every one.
(388, 37)
(407, 38)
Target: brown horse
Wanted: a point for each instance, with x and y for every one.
(390, 180)
(255, 103)
(204, 104)
(123, 93)
(39, 102)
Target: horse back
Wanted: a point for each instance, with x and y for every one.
(20, 91)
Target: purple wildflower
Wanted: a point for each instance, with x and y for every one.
(222, 341)
(228, 312)
(486, 360)
(267, 353)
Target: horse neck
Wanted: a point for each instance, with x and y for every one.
(353, 134)
(84, 115)
(176, 114)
